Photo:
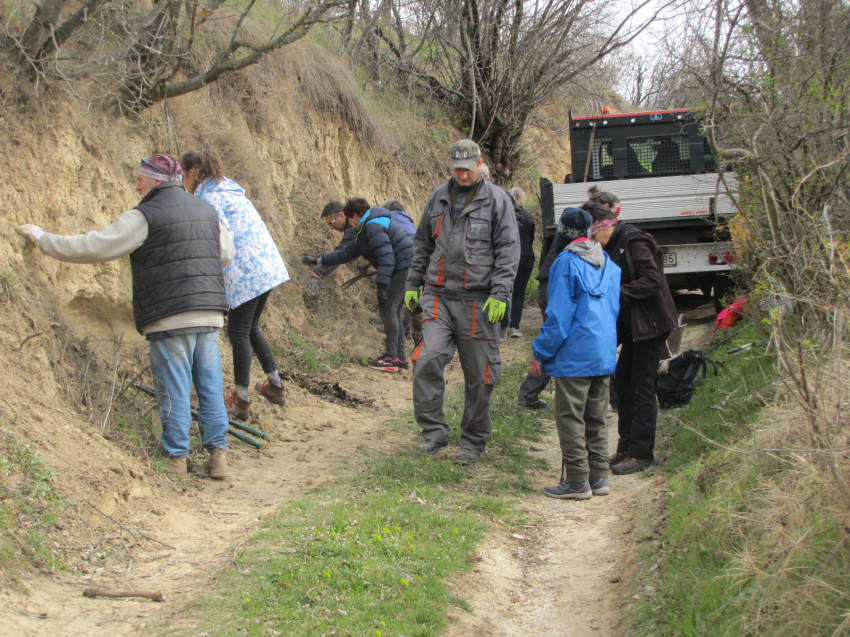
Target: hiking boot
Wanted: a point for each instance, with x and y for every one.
(617, 458)
(467, 456)
(514, 332)
(216, 465)
(384, 364)
(403, 366)
(535, 404)
(630, 465)
(570, 491)
(271, 392)
(173, 465)
(430, 447)
(237, 406)
(599, 486)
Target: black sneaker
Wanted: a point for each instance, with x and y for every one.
(430, 447)
(599, 486)
(570, 491)
(467, 456)
(535, 404)
(403, 366)
(384, 364)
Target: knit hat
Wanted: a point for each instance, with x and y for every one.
(575, 224)
(162, 167)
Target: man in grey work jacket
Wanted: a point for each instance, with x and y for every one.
(177, 249)
(466, 253)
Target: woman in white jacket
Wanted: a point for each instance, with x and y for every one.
(255, 271)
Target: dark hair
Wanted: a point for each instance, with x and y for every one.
(332, 209)
(602, 196)
(597, 211)
(208, 164)
(393, 204)
(355, 206)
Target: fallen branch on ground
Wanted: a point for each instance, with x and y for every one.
(99, 592)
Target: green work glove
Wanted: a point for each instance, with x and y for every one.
(497, 309)
(411, 297)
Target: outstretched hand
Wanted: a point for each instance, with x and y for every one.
(31, 232)
(309, 260)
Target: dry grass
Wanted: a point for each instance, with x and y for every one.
(785, 514)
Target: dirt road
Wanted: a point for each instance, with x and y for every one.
(562, 576)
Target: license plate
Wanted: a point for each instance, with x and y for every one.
(669, 259)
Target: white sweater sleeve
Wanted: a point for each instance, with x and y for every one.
(121, 238)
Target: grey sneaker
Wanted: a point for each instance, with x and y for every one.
(630, 465)
(570, 491)
(467, 456)
(430, 447)
(599, 486)
(514, 332)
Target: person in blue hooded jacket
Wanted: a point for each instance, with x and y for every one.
(577, 346)
(385, 244)
(256, 270)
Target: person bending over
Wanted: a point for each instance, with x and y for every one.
(387, 247)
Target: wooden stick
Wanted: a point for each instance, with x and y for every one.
(99, 592)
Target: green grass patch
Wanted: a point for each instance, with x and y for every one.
(297, 352)
(371, 555)
(694, 593)
(29, 507)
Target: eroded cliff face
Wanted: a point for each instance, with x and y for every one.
(68, 329)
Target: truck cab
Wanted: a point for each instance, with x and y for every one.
(660, 167)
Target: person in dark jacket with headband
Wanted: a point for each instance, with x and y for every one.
(647, 316)
(385, 244)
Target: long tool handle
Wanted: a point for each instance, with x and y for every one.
(246, 439)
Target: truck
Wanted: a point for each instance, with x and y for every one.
(660, 167)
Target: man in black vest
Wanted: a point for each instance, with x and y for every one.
(177, 249)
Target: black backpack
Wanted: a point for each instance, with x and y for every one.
(676, 387)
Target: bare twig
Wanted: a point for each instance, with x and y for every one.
(130, 531)
(28, 338)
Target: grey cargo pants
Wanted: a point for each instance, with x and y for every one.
(446, 324)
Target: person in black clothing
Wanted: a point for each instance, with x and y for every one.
(647, 315)
(333, 216)
(525, 225)
(533, 386)
(385, 244)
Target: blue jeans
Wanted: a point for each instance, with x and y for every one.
(176, 363)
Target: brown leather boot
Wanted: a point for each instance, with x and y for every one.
(237, 406)
(630, 465)
(216, 465)
(617, 458)
(271, 392)
(173, 465)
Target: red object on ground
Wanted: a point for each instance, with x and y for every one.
(730, 315)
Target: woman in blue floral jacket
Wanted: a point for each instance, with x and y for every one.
(255, 271)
